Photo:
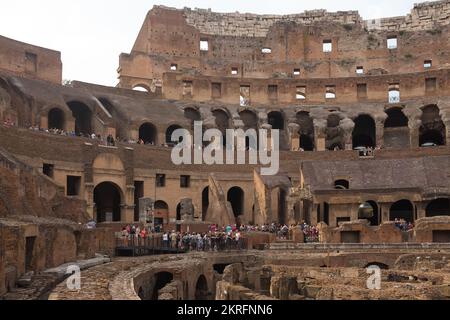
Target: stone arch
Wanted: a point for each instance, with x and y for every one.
(342, 184)
(141, 87)
(403, 209)
(83, 117)
(205, 202)
(364, 133)
(161, 211)
(161, 279)
(148, 133)
(56, 119)
(169, 131)
(432, 129)
(396, 130)
(249, 118)
(201, 289)
(235, 196)
(222, 121)
(438, 207)
(306, 131)
(108, 198)
(335, 138)
(192, 115)
(276, 120)
(109, 106)
(380, 265)
(395, 118)
(375, 220)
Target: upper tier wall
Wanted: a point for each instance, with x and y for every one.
(30, 61)
(171, 38)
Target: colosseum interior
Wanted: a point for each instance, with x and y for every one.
(363, 112)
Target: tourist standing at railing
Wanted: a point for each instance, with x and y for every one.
(165, 238)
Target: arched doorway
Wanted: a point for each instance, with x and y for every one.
(222, 123)
(438, 207)
(402, 210)
(364, 133)
(236, 198)
(148, 133)
(141, 88)
(335, 138)
(306, 131)
(83, 117)
(205, 203)
(179, 212)
(170, 130)
(107, 199)
(369, 211)
(276, 120)
(306, 143)
(432, 130)
(161, 279)
(396, 130)
(161, 212)
(193, 115)
(375, 220)
(282, 206)
(201, 289)
(56, 119)
(342, 184)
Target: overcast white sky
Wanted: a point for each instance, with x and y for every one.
(92, 33)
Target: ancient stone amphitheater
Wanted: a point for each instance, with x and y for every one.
(363, 111)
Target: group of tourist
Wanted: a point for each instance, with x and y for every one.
(404, 225)
(217, 238)
(311, 233)
(109, 141)
(8, 123)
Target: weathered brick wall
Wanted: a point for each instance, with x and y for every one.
(2, 263)
(170, 36)
(18, 58)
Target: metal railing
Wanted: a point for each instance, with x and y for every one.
(154, 245)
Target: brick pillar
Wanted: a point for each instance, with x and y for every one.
(294, 138)
(414, 125)
(320, 135)
(447, 132)
(379, 125)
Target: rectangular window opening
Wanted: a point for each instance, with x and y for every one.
(392, 42)
(394, 93)
(187, 88)
(430, 84)
(300, 93)
(327, 46)
(245, 96)
(361, 90)
(73, 185)
(204, 45)
(160, 180)
(185, 181)
(330, 92)
(48, 170)
(216, 89)
(273, 92)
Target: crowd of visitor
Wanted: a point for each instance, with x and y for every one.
(217, 238)
(404, 225)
